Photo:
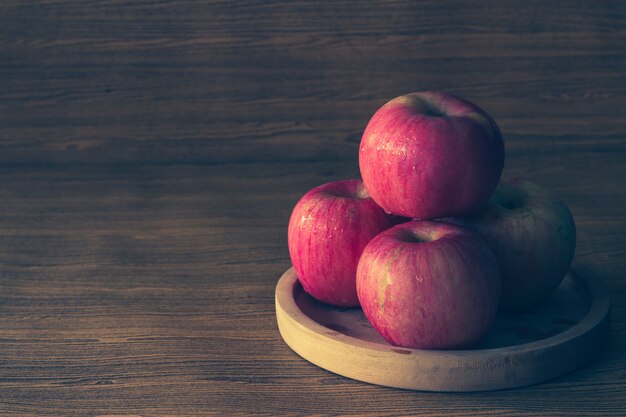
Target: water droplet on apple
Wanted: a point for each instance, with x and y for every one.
(403, 152)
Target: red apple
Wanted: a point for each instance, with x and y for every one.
(329, 228)
(533, 236)
(431, 154)
(427, 284)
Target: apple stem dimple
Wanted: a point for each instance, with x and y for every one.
(411, 237)
(348, 191)
(432, 111)
(510, 199)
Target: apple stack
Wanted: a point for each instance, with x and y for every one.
(431, 243)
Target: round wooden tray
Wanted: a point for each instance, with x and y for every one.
(550, 341)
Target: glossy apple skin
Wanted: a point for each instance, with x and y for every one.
(431, 154)
(533, 235)
(431, 285)
(328, 230)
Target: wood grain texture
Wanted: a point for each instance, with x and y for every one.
(240, 81)
(151, 153)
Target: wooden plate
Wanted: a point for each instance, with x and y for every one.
(550, 341)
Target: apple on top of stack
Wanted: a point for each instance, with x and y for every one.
(476, 243)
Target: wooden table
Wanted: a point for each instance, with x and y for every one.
(151, 153)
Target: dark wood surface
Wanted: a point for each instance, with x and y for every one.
(151, 153)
